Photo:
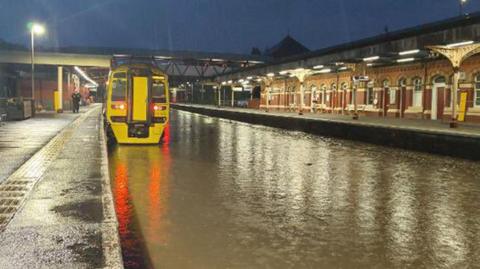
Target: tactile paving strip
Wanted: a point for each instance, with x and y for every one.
(16, 188)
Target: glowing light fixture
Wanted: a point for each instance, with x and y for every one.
(284, 72)
(85, 76)
(270, 75)
(37, 28)
(325, 70)
(405, 60)
(318, 66)
(458, 44)
(369, 59)
(408, 52)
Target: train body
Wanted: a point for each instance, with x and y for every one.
(137, 104)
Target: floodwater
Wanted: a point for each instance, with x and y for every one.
(224, 194)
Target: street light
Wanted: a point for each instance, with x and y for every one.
(462, 3)
(38, 29)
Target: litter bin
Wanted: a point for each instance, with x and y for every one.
(18, 109)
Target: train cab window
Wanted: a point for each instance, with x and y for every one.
(158, 91)
(119, 86)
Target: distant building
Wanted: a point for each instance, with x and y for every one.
(286, 48)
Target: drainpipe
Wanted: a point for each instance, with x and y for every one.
(335, 95)
(384, 101)
(354, 96)
(286, 98)
(312, 94)
(401, 100)
(424, 90)
(456, 76)
(302, 90)
(267, 97)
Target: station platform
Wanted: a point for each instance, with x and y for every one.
(56, 206)
(422, 135)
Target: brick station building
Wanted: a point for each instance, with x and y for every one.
(392, 91)
(406, 79)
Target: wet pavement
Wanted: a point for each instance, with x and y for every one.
(19, 140)
(63, 216)
(225, 194)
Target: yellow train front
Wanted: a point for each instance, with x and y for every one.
(137, 108)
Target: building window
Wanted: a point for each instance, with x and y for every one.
(417, 92)
(370, 94)
(119, 86)
(314, 93)
(159, 95)
(323, 88)
(391, 92)
(477, 90)
(333, 88)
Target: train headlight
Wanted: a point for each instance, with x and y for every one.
(155, 107)
(119, 106)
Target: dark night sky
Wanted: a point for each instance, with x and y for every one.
(214, 25)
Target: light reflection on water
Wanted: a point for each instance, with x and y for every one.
(221, 194)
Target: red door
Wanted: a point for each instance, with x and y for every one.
(403, 95)
(440, 102)
(386, 101)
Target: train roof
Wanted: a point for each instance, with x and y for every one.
(128, 66)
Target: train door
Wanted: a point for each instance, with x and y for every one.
(140, 98)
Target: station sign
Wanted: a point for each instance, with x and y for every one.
(360, 78)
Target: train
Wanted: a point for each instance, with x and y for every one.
(137, 102)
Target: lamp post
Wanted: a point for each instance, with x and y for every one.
(38, 29)
(461, 4)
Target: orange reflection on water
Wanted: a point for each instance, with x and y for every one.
(122, 204)
(166, 135)
(159, 191)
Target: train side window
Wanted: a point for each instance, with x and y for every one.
(119, 87)
(158, 92)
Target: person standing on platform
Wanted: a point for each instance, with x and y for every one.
(76, 101)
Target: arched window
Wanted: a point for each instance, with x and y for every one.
(477, 91)
(323, 89)
(314, 92)
(439, 79)
(333, 87)
(402, 82)
(344, 86)
(370, 95)
(417, 92)
(392, 93)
